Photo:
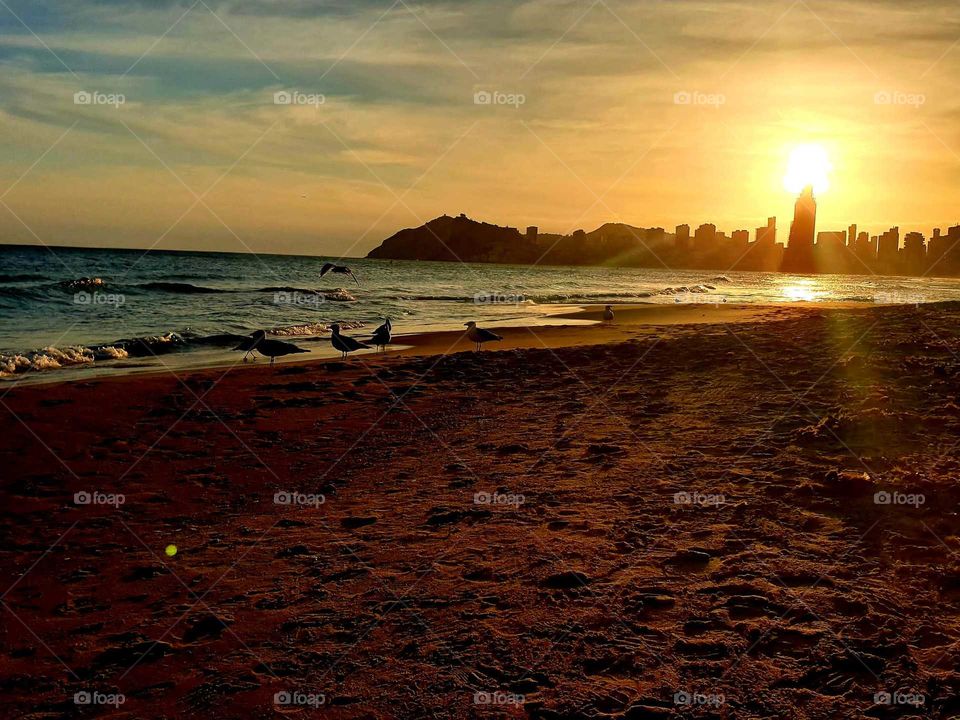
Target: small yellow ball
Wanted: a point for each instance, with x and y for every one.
(171, 550)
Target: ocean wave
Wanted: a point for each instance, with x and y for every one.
(84, 283)
(152, 344)
(314, 328)
(53, 358)
(176, 287)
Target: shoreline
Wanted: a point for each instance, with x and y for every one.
(585, 326)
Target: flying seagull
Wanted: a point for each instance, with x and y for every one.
(341, 269)
(479, 335)
(383, 335)
(268, 348)
(608, 313)
(343, 343)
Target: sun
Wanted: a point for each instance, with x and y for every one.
(808, 165)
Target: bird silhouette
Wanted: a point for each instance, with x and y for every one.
(608, 313)
(339, 269)
(268, 348)
(479, 335)
(344, 343)
(383, 335)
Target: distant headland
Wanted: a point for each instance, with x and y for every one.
(453, 239)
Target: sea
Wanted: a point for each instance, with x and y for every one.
(72, 313)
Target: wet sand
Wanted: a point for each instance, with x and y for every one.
(746, 514)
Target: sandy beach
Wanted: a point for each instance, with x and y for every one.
(703, 511)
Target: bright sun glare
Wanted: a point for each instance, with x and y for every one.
(808, 165)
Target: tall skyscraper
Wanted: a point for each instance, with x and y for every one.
(852, 236)
(799, 254)
(682, 237)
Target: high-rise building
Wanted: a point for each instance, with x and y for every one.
(741, 238)
(705, 238)
(532, 232)
(914, 253)
(852, 236)
(799, 254)
(888, 249)
(767, 235)
(682, 237)
(833, 239)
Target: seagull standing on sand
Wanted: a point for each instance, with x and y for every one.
(268, 348)
(340, 269)
(344, 343)
(249, 344)
(608, 314)
(479, 335)
(383, 335)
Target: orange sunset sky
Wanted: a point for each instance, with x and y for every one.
(652, 113)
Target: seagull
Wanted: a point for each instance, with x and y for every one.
(249, 343)
(341, 269)
(268, 348)
(479, 335)
(608, 313)
(383, 334)
(343, 343)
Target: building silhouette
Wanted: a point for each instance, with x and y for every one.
(799, 254)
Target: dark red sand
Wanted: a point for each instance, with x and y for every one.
(602, 595)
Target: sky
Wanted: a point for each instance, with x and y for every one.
(559, 113)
